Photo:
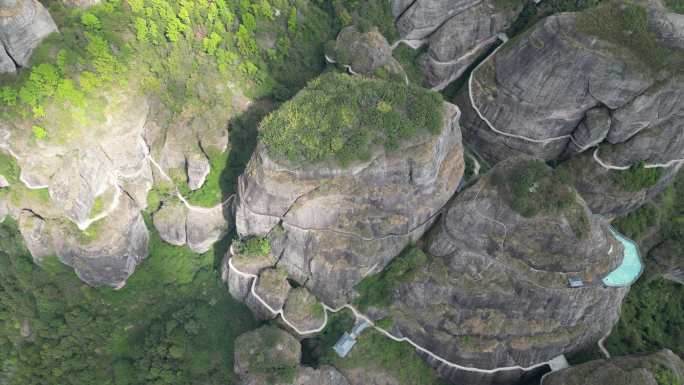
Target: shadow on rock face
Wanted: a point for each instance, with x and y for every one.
(243, 132)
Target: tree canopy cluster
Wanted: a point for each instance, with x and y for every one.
(343, 118)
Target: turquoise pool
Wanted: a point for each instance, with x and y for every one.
(631, 267)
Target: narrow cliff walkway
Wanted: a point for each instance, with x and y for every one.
(363, 317)
(504, 39)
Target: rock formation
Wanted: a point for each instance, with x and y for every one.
(330, 225)
(456, 32)
(23, 25)
(269, 355)
(83, 187)
(663, 367)
(559, 88)
(197, 227)
(79, 197)
(604, 194)
(365, 53)
(494, 289)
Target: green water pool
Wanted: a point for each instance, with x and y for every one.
(631, 267)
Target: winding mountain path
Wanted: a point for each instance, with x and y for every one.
(570, 137)
(359, 315)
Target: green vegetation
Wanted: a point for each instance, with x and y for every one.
(175, 50)
(378, 290)
(342, 118)
(408, 58)
(652, 318)
(532, 188)
(173, 323)
(666, 212)
(215, 185)
(665, 376)
(635, 224)
(652, 315)
(39, 132)
(626, 25)
(675, 5)
(17, 192)
(637, 177)
(366, 14)
(375, 353)
(266, 360)
(254, 247)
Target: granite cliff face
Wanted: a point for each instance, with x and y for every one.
(494, 290)
(558, 89)
(331, 225)
(456, 32)
(652, 369)
(23, 25)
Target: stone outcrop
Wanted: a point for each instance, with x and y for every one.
(266, 349)
(324, 375)
(269, 355)
(89, 182)
(558, 90)
(23, 25)
(456, 32)
(651, 369)
(603, 195)
(330, 225)
(461, 40)
(303, 310)
(197, 227)
(365, 52)
(494, 291)
(107, 253)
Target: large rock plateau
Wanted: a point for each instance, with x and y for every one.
(331, 225)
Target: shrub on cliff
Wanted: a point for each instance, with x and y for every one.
(638, 177)
(339, 117)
